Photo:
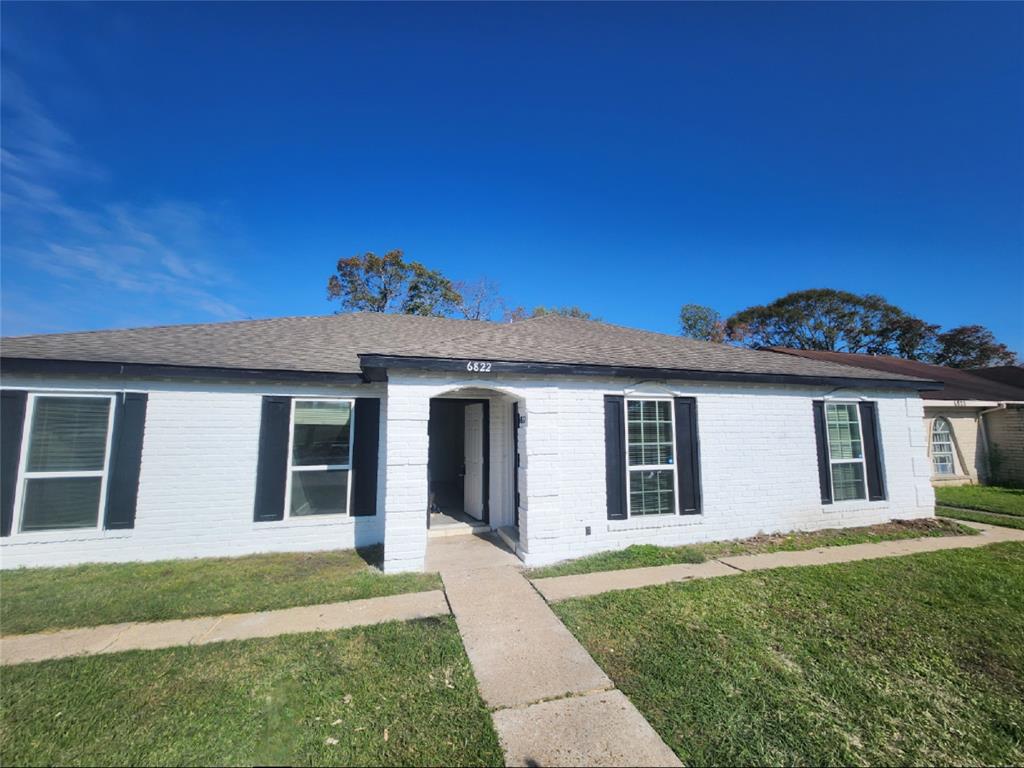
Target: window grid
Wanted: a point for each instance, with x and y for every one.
(26, 475)
(942, 447)
(650, 457)
(324, 469)
(846, 452)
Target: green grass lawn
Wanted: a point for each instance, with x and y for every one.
(987, 498)
(86, 595)
(974, 516)
(391, 694)
(644, 555)
(913, 660)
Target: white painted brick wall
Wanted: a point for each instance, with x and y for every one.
(758, 469)
(758, 466)
(197, 482)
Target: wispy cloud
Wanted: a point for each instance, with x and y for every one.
(158, 259)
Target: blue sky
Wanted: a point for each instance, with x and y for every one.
(199, 162)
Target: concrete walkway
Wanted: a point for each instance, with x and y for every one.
(586, 584)
(113, 638)
(550, 702)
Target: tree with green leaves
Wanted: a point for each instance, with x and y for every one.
(565, 311)
(834, 321)
(697, 321)
(972, 346)
(514, 314)
(388, 283)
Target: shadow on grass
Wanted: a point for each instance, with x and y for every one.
(372, 556)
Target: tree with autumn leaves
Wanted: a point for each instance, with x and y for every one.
(389, 283)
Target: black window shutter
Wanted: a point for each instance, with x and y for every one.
(872, 451)
(824, 467)
(12, 423)
(688, 456)
(272, 465)
(615, 456)
(366, 443)
(125, 459)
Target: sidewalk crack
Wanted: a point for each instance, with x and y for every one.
(115, 638)
(199, 640)
(730, 565)
(557, 697)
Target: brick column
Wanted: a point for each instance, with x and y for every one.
(539, 513)
(405, 498)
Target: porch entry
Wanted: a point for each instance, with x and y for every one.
(458, 462)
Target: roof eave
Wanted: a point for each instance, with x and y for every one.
(43, 366)
(374, 367)
(381, 362)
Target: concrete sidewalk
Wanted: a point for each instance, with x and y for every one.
(550, 701)
(113, 638)
(583, 585)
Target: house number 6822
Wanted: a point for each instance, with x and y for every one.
(478, 365)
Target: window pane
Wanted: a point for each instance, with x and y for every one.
(652, 492)
(68, 434)
(320, 492)
(61, 502)
(649, 432)
(843, 431)
(942, 447)
(848, 481)
(321, 433)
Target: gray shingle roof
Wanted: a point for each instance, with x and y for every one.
(332, 344)
(325, 343)
(556, 339)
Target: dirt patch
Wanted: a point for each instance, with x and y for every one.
(924, 526)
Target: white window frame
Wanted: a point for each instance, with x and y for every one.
(952, 447)
(647, 467)
(24, 475)
(321, 467)
(863, 452)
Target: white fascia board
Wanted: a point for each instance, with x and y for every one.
(969, 403)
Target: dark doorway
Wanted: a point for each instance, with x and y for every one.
(458, 461)
(515, 461)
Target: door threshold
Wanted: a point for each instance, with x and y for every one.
(456, 529)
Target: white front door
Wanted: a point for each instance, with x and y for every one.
(473, 488)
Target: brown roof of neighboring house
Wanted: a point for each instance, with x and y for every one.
(1005, 374)
(959, 384)
(333, 344)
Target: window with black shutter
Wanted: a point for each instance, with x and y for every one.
(652, 456)
(849, 451)
(71, 460)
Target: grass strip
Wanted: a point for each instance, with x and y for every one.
(646, 555)
(36, 599)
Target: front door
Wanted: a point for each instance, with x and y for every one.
(473, 447)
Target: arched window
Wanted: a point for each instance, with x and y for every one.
(942, 447)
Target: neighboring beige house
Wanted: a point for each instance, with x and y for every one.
(974, 424)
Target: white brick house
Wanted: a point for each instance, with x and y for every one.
(568, 436)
